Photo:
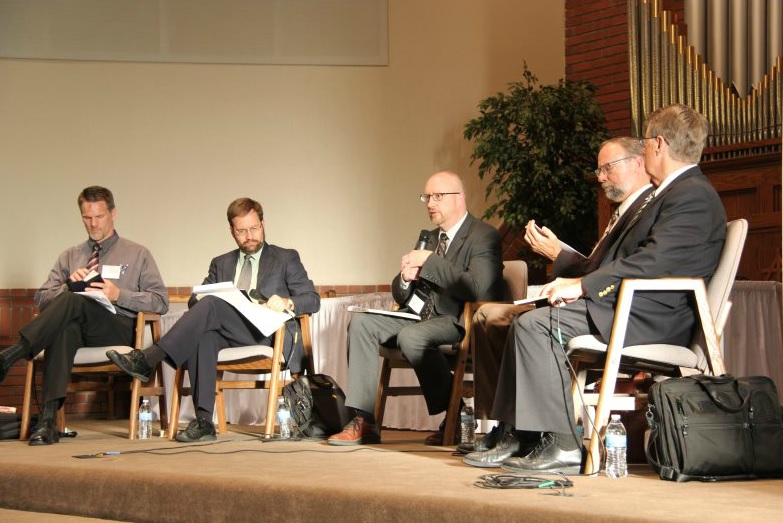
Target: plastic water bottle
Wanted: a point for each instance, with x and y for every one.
(467, 424)
(145, 420)
(284, 418)
(616, 445)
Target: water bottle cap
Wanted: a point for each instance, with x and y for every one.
(615, 417)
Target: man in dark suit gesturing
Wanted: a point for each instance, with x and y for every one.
(679, 232)
(212, 324)
(460, 262)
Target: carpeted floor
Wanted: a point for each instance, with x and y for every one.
(240, 478)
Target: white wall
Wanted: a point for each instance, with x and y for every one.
(337, 155)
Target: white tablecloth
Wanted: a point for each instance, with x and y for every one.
(330, 356)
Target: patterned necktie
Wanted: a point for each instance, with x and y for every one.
(92, 263)
(428, 311)
(243, 283)
(609, 226)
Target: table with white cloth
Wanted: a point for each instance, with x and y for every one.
(330, 356)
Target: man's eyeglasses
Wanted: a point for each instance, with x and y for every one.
(607, 167)
(251, 231)
(436, 196)
(642, 139)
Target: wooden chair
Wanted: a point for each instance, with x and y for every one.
(252, 360)
(97, 373)
(704, 355)
(459, 355)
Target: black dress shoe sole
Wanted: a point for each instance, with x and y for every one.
(36, 441)
(482, 464)
(117, 359)
(183, 438)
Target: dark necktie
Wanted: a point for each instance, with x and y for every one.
(245, 275)
(92, 263)
(428, 311)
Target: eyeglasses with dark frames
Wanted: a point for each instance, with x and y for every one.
(436, 196)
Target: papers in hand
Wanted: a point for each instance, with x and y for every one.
(101, 298)
(538, 301)
(398, 314)
(265, 319)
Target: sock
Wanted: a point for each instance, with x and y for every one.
(50, 409)
(20, 349)
(154, 355)
(204, 414)
(565, 441)
(368, 416)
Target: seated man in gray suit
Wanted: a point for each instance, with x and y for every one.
(466, 266)
(678, 232)
(212, 324)
(624, 181)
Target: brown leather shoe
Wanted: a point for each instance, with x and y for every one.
(357, 432)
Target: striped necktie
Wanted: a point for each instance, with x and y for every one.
(92, 263)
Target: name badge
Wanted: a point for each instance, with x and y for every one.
(112, 272)
(416, 301)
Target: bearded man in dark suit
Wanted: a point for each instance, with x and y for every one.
(679, 232)
(211, 324)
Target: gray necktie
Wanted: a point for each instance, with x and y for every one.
(243, 283)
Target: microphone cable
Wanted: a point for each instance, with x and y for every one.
(547, 481)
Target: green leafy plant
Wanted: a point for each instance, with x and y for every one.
(537, 144)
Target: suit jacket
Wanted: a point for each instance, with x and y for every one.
(680, 233)
(472, 269)
(280, 271)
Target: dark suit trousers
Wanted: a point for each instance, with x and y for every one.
(534, 386)
(69, 322)
(419, 342)
(197, 337)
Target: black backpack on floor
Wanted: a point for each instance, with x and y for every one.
(317, 405)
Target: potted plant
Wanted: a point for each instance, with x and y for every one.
(537, 145)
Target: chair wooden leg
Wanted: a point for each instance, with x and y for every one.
(24, 429)
(220, 405)
(133, 422)
(61, 418)
(175, 400)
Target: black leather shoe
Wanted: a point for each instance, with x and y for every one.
(488, 442)
(507, 447)
(133, 363)
(44, 433)
(436, 438)
(546, 457)
(199, 429)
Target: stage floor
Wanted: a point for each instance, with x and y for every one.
(241, 478)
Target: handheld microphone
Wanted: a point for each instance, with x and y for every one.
(424, 237)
